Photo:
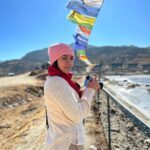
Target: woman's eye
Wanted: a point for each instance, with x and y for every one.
(68, 58)
(71, 58)
(64, 58)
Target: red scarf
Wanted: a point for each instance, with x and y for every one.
(52, 71)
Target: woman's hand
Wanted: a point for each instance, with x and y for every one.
(94, 84)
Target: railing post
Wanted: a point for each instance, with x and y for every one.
(109, 123)
(99, 74)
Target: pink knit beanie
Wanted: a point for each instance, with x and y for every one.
(57, 50)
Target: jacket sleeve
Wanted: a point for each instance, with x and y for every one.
(64, 96)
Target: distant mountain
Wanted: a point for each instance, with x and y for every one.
(38, 56)
(119, 54)
(105, 55)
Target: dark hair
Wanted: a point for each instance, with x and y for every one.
(55, 64)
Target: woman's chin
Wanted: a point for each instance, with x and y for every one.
(67, 71)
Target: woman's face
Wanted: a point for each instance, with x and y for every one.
(65, 63)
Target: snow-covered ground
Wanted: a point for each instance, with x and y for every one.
(134, 90)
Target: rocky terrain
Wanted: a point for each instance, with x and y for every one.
(124, 134)
(22, 117)
(22, 113)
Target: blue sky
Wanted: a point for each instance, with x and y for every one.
(28, 25)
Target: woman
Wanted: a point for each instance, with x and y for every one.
(66, 104)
